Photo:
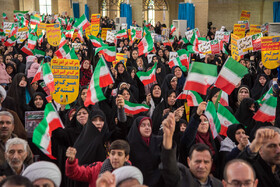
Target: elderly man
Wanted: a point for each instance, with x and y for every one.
(199, 161)
(264, 155)
(6, 132)
(15, 154)
(238, 172)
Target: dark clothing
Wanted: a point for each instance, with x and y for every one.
(175, 174)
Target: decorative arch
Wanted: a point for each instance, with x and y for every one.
(159, 5)
(107, 6)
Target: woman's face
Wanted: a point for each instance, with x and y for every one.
(178, 72)
(82, 116)
(160, 53)
(134, 55)
(173, 83)
(132, 74)
(8, 59)
(171, 99)
(183, 127)
(98, 122)
(38, 101)
(20, 57)
(214, 98)
(166, 52)
(84, 94)
(86, 64)
(120, 68)
(23, 82)
(126, 95)
(35, 85)
(238, 135)
(262, 80)
(1, 59)
(243, 93)
(204, 125)
(145, 128)
(267, 71)
(155, 59)
(156, 91)
(9, 70)
(139, 63)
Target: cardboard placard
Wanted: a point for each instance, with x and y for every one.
(244, 45)
(53, 34)
(234, 47)
(32, 120)
(245, 15)
(110, 37)
(256, 40)
(270, 47)
(239, 30)
(205, 47)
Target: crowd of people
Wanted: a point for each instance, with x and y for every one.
(169, 145)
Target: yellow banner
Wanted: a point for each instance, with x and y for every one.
(239, 30)
(104, 33)
(40, 28)
(120, 57)
(66, 73)
(88, 31)
(255, 29)
(245, 15)
(53, 34)
(95, 24)
(270, 48)
(234, 47)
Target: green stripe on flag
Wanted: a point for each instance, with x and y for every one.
(205, 69)
(236, 67)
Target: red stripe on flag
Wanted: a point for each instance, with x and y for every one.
(224, 85)
(195, 86)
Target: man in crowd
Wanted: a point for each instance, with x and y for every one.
(238, 172)
(16, 181)
(118, 157)
(199, 161)
(264, 155)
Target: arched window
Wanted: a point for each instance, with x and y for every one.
(45, 6)
(149, 8)
(151, 12)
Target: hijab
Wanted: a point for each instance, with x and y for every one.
(86, 74)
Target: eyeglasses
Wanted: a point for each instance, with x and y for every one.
(237, 183)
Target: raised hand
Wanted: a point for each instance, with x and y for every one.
(71, 153)
(168, 130)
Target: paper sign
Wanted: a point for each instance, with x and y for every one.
(222, 36)
(120, 57)
(256, 40)
(95, 24)
(150, 57)
(234, 47)
(172, 55)
(53, 34)
(88, 31)
(124, 26)
(189, 34)
(104, 33)
(32, 120)
(255, 29)
(66, 73)
(76, 46)
(7, 26)
(205, 47)
(239, 30)
(215, 47)
(270, 47)
(138, 31)
(244, 45)
(244, 22)
(265, 28)
(245, 15)
(22, 34)
(40, 28)
(110, 37)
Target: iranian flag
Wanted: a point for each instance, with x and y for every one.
(193, 98)
(223, 47)
(146, 45)
(121, 34)
(200, 77)
(26, 50)
(184, 41)
(177, 62)
(134, 108)
(168, 42)
(101, 77)
(265, 96)
(192, 49)
(82, 22)
(4, 16)
(40, 38)
(109, 52)
(19, 14)
(35, 20)
(71, 55)
(39, 73)
(184, 57)
(63, 40)
(213, 119)
(11, 41)
(267, 111)
(32, 41)
(69, 33)
(24, 22)
(230, 75)
(43, 132)
(226, 119)
(173, 29)
(62, 51)
(14, 30)
(132, 35)
(38, 53)
(96, 42)
(149, 76)
(48, 77)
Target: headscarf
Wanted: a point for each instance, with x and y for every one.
(232, 130)
(86, 74)
(32, 104)
(156, 100)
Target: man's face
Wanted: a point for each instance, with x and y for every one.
(118, 158)
(43, 183)
(270, 151)
(200, 164)
(238, 173)
(6, 127)
(15, 156)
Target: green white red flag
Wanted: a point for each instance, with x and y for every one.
(226, 119)
(71, 54)
(82, 22)
(101, 78)
(14, 30)
(24, 22)
(200, 77)
(63, 40)
(177, 62)
(4, 16)
(38, 53)
(267, 111)
(26, 50)
(35, 20)
(48, 77)
(121, 34)
(39, 74)
(173, 29)
(109, 52)
(62, 51)
(43, 132)
(230, 75)
(149, 76)
(146, 45)
(213, 119)
(11, 41)
(135, 108)
(96, 42)
(192, 97)
(32, 40)
(184, 57)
